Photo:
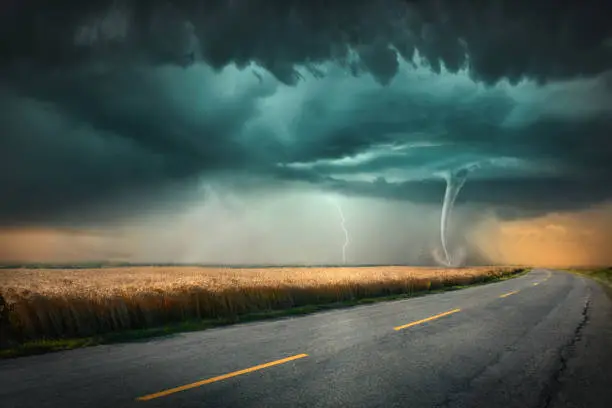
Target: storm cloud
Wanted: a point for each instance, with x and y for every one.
(108, 108)
(504, 39)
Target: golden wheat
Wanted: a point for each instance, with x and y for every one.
(56, 303)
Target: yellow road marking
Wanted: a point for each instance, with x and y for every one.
(536, 284)
(219, 378)
(427, 319)
(509, 293)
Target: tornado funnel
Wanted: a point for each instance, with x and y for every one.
(454, 181)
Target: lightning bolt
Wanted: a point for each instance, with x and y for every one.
(344, 229)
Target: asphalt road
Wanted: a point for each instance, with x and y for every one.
(540, 340)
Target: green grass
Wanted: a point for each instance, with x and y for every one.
(47, 346)
(601, 275)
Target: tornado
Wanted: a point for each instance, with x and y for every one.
(454, 181)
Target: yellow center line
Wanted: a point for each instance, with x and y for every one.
(405, 326)
(509, 293)
(219, 378)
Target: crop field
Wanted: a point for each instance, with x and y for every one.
(67, 303)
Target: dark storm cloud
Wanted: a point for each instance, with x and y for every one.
(537, 149)
(105, 101)
(386, 116)
(69, 142)
(512, 197)
(52, 163)
(545, 39)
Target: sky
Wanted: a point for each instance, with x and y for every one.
(234, 131)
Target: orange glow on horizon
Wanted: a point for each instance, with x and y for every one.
(580, 238)
(56, 245)
(556, 239)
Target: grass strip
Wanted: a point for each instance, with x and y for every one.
(601, 275)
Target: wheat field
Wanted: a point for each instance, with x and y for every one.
(64, 303)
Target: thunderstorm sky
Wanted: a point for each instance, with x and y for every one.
(230, 131)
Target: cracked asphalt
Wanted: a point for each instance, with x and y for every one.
(541, 340)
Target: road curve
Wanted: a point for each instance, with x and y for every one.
(540, 340)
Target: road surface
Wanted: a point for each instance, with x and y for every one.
(540, 340)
